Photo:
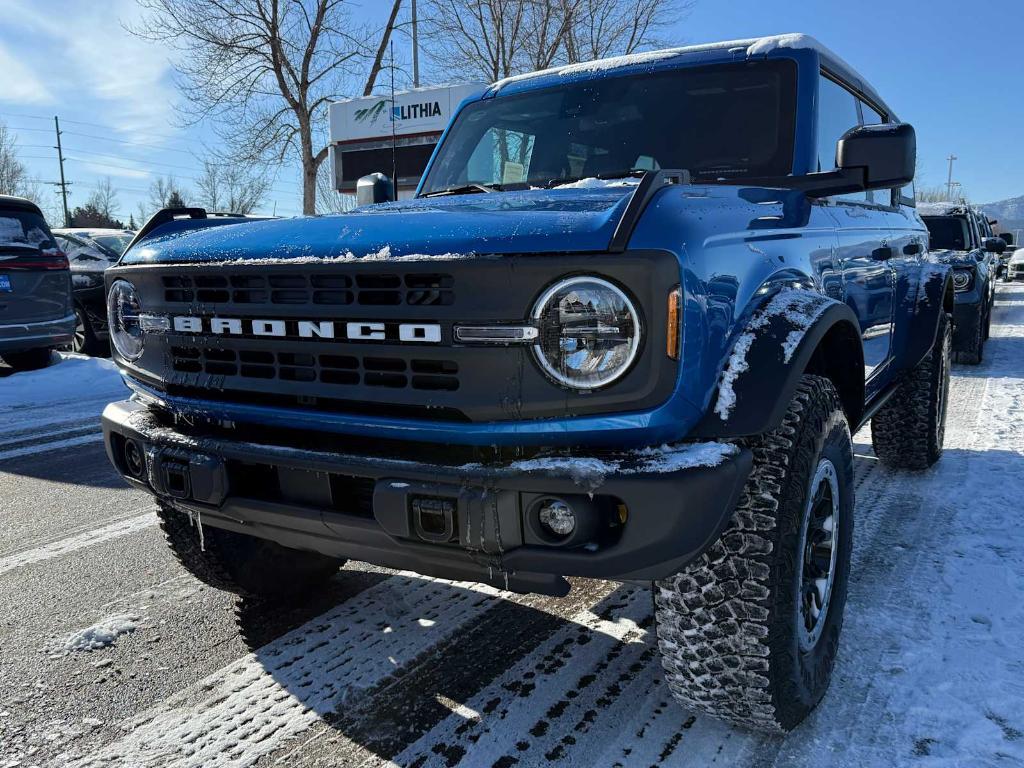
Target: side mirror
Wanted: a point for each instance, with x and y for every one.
(995, 245)
(1007, 237)
(374, 188)
(885, 153)
(867, 157)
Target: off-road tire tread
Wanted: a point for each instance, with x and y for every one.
(717, 618)
(222, 560)
(904, 432)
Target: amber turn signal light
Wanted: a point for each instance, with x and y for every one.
(675, 300)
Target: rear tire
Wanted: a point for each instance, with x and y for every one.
(29, 360)
(909, 430)
(244, 565)
(745, 634)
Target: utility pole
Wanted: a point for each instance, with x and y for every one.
(949, 178)
(415, 48)
(63, 184)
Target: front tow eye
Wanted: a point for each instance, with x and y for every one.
(433, 518)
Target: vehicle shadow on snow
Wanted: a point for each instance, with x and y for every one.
(390, 711)
(85, 465)
(407, 701)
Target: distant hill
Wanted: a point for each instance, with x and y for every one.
(1009, 213)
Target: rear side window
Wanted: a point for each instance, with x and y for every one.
(20, 229)
(837, 113)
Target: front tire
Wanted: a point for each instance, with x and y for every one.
(974, 351)
(245, 565)
(909, 430)
(749, 632)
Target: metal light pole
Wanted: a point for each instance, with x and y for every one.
(949, 178)
(63, 184)
(415, 48)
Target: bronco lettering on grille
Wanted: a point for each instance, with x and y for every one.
(424, 333)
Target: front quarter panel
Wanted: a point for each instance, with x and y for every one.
(737, 247)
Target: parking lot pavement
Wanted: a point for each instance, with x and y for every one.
(395, 669)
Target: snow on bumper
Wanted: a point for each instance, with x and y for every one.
(640, 515)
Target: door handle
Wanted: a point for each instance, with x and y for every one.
(913, 249)
(882, 254)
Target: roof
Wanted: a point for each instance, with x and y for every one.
(745, 49)
(9, 201)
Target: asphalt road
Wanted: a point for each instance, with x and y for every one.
(387, 668)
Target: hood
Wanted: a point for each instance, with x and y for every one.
(1017, 257)
(955, 258)
(535, 221)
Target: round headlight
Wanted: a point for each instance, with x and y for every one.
(123, 310)
(961, 279)
(588, 332)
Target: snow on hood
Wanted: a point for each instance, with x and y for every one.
(531, 221)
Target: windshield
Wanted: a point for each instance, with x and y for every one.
(718, 122)
(948, 233)
(113, 243)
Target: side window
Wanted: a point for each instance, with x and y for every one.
(837, 113)
(873, 117)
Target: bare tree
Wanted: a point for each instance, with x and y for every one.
(104, 199)
(602, 28)
(493, 39)
(164, 192)
(230, 187)
(328, 198)
(12, 171)
(265, 71)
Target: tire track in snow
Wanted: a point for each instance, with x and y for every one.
(55, 445)
(89, 538)
(254, 705)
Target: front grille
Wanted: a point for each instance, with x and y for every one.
(342, 370)
(362, 289)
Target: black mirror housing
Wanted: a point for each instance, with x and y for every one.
(995, 245)
(887, 153)
(374, 188)
(1006, 237)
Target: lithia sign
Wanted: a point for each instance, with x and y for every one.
(413, 112)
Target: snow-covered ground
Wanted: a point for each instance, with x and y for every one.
(395, 669)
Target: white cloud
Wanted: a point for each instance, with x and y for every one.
(82, 52)
(21, 84)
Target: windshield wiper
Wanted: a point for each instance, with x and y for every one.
(464, 189)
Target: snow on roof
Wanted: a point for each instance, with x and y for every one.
(940, 208)
(758, 46)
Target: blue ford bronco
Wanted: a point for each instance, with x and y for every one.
(961, 237)
(625, 330)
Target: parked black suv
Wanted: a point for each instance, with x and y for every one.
(90, 252)
(961, 237)
(35, 288)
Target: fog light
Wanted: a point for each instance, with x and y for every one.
(557, 517)
(133, 459)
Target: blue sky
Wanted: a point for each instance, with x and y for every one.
(933, 60)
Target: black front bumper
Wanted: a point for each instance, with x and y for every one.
(966, 319)
(633, 525)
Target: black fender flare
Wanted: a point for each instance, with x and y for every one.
(934, 295)
(780, 349)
